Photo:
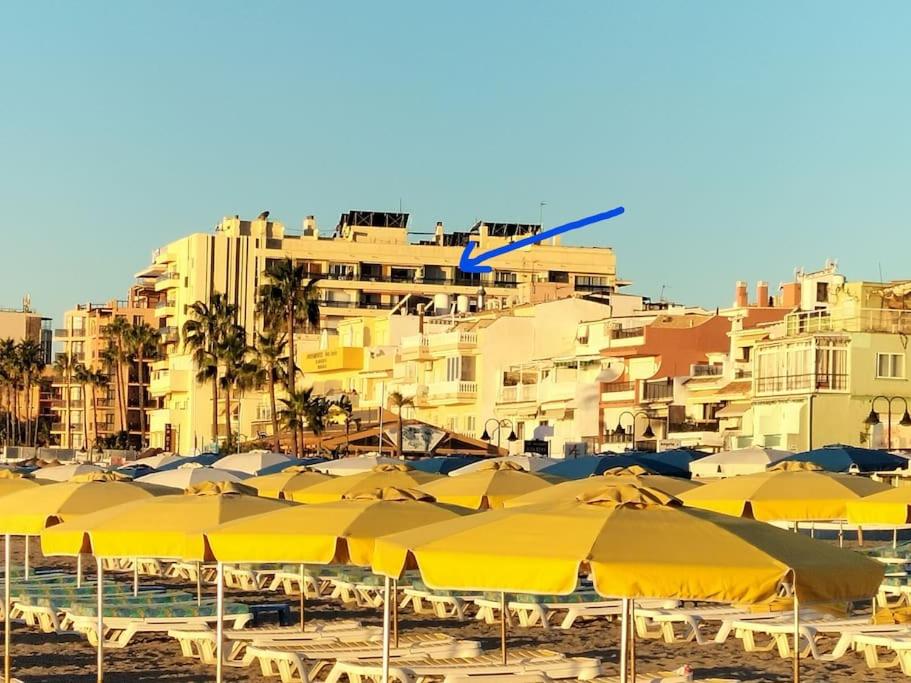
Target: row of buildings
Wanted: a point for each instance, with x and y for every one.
(548, 348)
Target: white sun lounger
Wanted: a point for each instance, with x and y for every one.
(694, 620)
(532, 664)
(199, 642)
(899, 643)
(781, 634)
(442, 605)
(289, 660)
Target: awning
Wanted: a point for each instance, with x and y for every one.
(733, 410)
(609, 374)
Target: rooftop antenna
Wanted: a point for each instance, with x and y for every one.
(661, 296)
(541, 206)
(880, 264)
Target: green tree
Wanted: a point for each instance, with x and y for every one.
(115, 332)
(399, 401)
(269, 352)
(83, 377)
(203, 335)
(9, 369)
(288, 301)
(31, 363)
(65, 366)
(99, 380)
(294, 412)
(317, 412)
(142, 345)
(344, 406)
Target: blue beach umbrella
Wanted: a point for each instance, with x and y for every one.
(205, 459)
(841, 458)
(591, 465)
(295, 462)
(443, 464)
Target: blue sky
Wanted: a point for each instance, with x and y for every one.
(744, 139)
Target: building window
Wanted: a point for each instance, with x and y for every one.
(558, 276)
(890, 365)
(822, 291)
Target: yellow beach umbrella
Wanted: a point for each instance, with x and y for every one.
(892, 506)
(287, 483)
(170, 527)
(489, 486)
(337, 532)
(29, 511)
(793, 491)
(569, 490)
(12, 482)
(637, 543)
(340, 532)
(386, 475)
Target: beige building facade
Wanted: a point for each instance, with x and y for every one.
(368, 267)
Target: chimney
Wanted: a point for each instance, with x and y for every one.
(762, 293)
(438, 233)
(740, 294)
(310, 226)
(790, 294)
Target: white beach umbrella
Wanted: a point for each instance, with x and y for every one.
(353, 465)
(189, 475)
(156, 461)
(66, 472)
(740, 461)
(529, 463)
(252, 462)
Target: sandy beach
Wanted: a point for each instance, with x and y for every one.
(39, 657)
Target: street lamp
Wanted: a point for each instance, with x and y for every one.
(499, 425)
(873, 417)
(620, 431)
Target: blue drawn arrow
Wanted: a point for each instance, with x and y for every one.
(472, 264)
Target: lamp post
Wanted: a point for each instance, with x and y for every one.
(620, 431)
(873, 417)
(500, 424)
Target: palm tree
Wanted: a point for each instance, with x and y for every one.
(231, 353)
(290, 299)
(318, 408)
(294, 413)
(99, 380)
(141, 346)
(203, 333)
(344, 406)
(399, 401)
(7, 383)
(83, 377)
(31, 360)
(64, 367)
(116, 332)
(269, 351)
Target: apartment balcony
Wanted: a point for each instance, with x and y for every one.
(556, 391)
(451, 393)
(706, 370)
(454, 341)
(697, 433)
(168, 382)
(618, 392)
(801, 384)
(166, 309)
(518, 393)
(626, 336)
(415, 347)
(167, 281)
(169, 335)
(658, 391)
(889, 321)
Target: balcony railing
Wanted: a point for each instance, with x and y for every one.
(658, 391)
(890, 321)
(169, 334)
(693, 426)
(809, 382)
(457, 337)
(598, 289)
(452, 388)
(167, 276)
(705, 370)
(627, 332)
(617, 387)
(518, 392)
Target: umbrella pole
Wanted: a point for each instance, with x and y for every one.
(503, 626)
(395, 612)
(99, 589)
(303, 596)
(385, 678)
(79, 570)
(135, 577)
(860, 536)
(632, 641)
(894, 538)
(198, 585)
(219, 624)
(25, 566)
(7, 662)
(624, 638)
(796, 636)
